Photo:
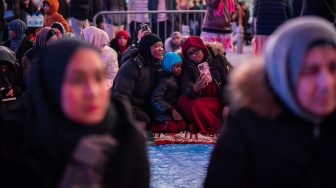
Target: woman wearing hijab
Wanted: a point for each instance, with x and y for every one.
(44, 37)
(138, 77)
(59, 29)
(204, 101)
(174, 42)
(19, 42)
(281, 127)
(99, 39)
(67, 132)
(120, 43)
(11, 84)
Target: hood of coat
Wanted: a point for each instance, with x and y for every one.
(54, 5)
(250, 89)
(215, 48)
(7, 55)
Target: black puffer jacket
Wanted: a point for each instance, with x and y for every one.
(164, 97)
(266, 145)
(220, 69)
(135, 81)
(270, 14)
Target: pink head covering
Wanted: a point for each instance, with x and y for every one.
(96, 37)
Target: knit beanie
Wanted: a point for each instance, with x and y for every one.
(195, 42)
(170, 59)
(147, 41)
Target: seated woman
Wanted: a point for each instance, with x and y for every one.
(138, 77)
(99, 39)
(164, 97)
(120, 43)
(44, 37)
(19, 42)
(174, 42)
(11, 84)
(204, 101)
(59, 30)
(281, 127)
(67, 132)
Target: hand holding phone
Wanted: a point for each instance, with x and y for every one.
(204, 69)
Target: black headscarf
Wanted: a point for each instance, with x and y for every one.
(146, 42)
(52, 135)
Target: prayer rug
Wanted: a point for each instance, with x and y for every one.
(184, 137)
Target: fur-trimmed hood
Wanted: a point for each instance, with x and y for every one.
(215, 48)
(250, 90)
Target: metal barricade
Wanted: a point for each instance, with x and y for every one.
(181, 20)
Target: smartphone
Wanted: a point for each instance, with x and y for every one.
(144, 27)
(204, 69)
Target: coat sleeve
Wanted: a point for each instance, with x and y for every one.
(229, 163)
(158, 95)
(124, 82)
(26, 68)
(111, 68)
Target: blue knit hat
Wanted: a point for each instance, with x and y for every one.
(170, 59)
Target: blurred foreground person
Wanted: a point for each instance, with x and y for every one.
(67, 132)
(281, 127)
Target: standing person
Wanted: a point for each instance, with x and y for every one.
(20, 9)
(162, 23)
(138, 77)
(99, 39)
(282, 135)
(204, 98)
(297, 7)
(323, 8)
(216, 25)
(166, 117)
(19, 42)
(136, 19)
(50, 7)
(44, 37)
(67, 132)
(116, 22)
(80, 11)
(120, 43)
(269, 14)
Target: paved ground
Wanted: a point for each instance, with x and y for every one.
(236, 58)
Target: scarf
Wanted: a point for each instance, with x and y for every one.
(43, 36)
(284, 53)
(19, 28)
(118, 35)
(96, 37)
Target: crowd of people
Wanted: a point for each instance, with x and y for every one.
(82, 98)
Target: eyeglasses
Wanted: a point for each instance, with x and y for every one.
(195, 52)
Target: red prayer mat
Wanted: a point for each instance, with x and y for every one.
(184, 137)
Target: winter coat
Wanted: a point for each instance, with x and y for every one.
(113, 44)
(114, 5)
(164, 97)
(270, 14)
(26, 44)
(28, 61)
(135, 81)
(53, 16)
(220, 23)
(220, 69)
(264, 144)
(170, 47)
(80, 9)
(110, 60)
(322, 8)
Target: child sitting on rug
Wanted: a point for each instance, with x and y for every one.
(166, 118)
